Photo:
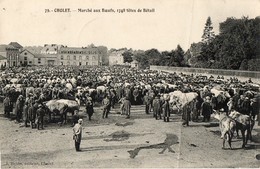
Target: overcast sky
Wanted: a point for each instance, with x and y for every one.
(173, 22)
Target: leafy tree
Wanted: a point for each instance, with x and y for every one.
(127, 56)
(208, 34)
(142, 59)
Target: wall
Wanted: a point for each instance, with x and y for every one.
(252, 74)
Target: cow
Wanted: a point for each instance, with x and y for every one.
(227, 127)
(61, 107)
(245, 124)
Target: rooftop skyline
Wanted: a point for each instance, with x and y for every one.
(173, 22)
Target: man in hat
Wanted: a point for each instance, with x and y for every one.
(40, 115)
(77, 134)
(206, 109)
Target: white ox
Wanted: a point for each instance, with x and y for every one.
(179, 100)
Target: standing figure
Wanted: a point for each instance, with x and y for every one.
(106, 106)
(26, 113)
(166, 110)
(89, 107)
(40, 115)
(19, 108)
(126, 107)
(77, 134)
(206, 109)
(157, 108)
(148, 103)
(7, 106)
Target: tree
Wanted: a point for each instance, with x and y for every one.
(142, 59)
(208, 34)
(127, 56)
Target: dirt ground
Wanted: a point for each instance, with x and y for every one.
(118, 142)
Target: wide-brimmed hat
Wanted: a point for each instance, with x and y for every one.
(80, 121)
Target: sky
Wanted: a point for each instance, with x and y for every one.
(173, 22)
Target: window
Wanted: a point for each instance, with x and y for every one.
(61, 63)
(25, 53)
(61, 57)
(86, 63)
(39, 60)
(68, 57)
(30, 62)
(75, 57)
(87, 57)
(79, 63)
(25, 58)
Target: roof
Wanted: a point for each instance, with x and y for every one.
(50, 48)
(16, 45)
(77, 48)
(4, 47)
(34, 49)
(2, 57)
(27, 51)
(45, 56)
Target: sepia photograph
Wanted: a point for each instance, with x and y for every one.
(130, 84)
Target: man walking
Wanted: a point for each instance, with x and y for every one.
(77, 134)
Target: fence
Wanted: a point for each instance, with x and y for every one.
(251, 74)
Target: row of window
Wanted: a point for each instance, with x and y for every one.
(80, 52)
(80, 57)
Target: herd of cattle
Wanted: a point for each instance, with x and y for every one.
(60, 88)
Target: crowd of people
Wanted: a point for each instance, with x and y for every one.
(25, 91)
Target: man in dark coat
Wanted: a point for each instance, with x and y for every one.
(19, 108)
(148, 103)
(166, 110)
(206, 109)
(254, 108)
(7, 106)
(26, 113)
(245, 106)
(89, 107)
(40, 115)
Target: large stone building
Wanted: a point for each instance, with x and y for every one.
(26, 58)
(11, 54)
(116, 57)
(3, 61)
(89, 56)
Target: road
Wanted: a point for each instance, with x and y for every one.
(117, 142)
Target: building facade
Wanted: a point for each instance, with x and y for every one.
(26, 58)
(116, 58)
(3, 61)
(85, 56)
(11, 54)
